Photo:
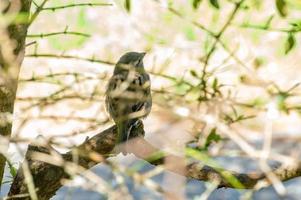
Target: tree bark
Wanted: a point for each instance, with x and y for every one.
(11, 57)
(47, 177)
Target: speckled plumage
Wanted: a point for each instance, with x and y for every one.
(128, 95)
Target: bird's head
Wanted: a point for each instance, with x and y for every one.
(130, 61)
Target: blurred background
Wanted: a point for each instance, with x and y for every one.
(224, 80)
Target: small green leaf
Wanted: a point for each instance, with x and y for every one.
(127, 5)
(12, 169)
(196, 3)
(290, 43)
(193, 73)
(296, 25)
(212, 137)
(215, 84)
(214, 3)
(268, 22)
(281, 6)
(189, 33)
(181, 88)
(82, 24)
(193, 94)
(281, 102)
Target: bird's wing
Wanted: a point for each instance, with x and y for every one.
(134, 97)
(112, 103)
(141, 86)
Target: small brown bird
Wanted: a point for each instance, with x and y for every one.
(128, 95)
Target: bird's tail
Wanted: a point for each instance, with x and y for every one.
(124, 129)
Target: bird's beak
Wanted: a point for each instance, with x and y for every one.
(142, 54)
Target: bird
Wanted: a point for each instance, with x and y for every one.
(128, 94)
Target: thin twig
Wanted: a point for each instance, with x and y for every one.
(219, 35)
(93, 60)
(30, 43)
(42, 35)
(269, 29)
(37, 12)
(77, 5)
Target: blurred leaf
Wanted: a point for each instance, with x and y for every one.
(127, 5)
(212, 137)
(258, 62)
(64, 42)
(153, 38)
(12, 169)
(196, 3)
(290, 43)
(257, 4)
(193, 73)
(189, 33)
(170, 3)
(216, 87)
(193, 94)
(268, 22)
(214, 3)
(295, 4)
(168, 17)
(281, 101)
(281, 7)
(181, 88)
(215, 84)
(296, 25)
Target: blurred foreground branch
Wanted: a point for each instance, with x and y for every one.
(48, 167)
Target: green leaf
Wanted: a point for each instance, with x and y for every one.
(295, 4)
(281, 103)
(212, 137)
(181, 88)
(196, 3)
(281, 6)
(127, 5)
(193, 94)
(214, 3)
(290, 43)
(12, 169)
(215, 84)
(268, 22)
(296, 25)
(189, 33)
(67, 42)
(193, 73)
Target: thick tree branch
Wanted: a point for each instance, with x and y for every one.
(47, 177)
(11, 57)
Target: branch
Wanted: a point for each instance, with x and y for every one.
(269, 29)
(47, 177)
(11, 57)
(42, 35)
(93, 60)
(77, 5)
(218, 39)
(37, 11)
